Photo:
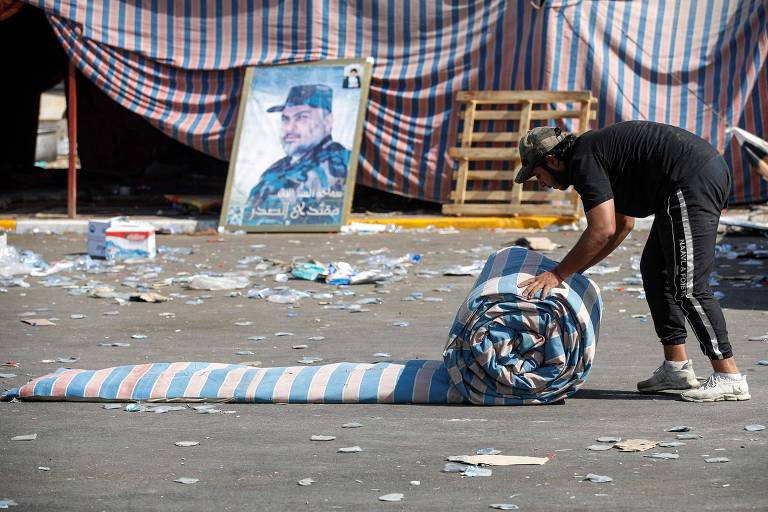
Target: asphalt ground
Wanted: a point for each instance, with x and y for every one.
(251, 459)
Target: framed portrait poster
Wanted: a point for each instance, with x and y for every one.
(296, 147)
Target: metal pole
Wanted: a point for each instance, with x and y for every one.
(72, 129)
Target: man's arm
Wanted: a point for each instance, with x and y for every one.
(601, 230)
(624, 225)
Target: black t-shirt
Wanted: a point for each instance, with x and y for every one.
(635, 163)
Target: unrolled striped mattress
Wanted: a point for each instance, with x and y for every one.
(502, 349)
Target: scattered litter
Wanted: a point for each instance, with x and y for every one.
(754, 428)
(688, 436)
(309, 360)
(671, 444)
(635, 445)
(256, 338)
(111, 406)
(68, 359)
(77, 316)
(185, 480)
(305, 482)
(299, 347)
(322, 438)
(7, 375)
(309, 271)
(382, 354)
(115, 344)
(487, 451)
(7, 503)
(206, 409)
(599, 447)
(717, 460)
(205, 282)
(35, 322)
(762, 362)
(186, 444)
(161, 409)
(43, 468)
(759, 338)
(245, 353)
(316, 338)
(166, 249)
(349, 449)
(11, 282)
(504, 506)
(283, 334)
(598, 479)
(473, 471)
(25, 437)
(680, 428)
(667, 456)
(401, 324)
(148, 297)
(414, 482)
(352, 425)
(600, 270)
(464, 270)
(498, 460)
(453, 467)
(134, 408)
(608, 439)
(396, 496)
(243, 323)
(742, 223)
(536, 243)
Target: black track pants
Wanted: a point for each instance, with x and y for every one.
(679, 257)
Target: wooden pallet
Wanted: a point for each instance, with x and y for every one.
(493, 122)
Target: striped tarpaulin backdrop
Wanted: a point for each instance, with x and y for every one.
(180, 64)
(695, 64)
(502, 350)
(748, 185)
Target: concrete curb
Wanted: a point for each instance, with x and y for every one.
(535, 222)
(80, 226)
(188, 226)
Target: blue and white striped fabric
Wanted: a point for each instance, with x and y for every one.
(507, 350)
(502, 350)
(388, 383)
(699, 64)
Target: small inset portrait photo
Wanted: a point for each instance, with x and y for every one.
(351, 77)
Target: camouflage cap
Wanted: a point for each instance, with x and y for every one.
(313, 95)
(534, 146)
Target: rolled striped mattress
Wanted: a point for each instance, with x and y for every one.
(502, 349)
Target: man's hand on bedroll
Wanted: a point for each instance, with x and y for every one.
(544, 282)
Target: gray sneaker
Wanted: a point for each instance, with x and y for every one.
(664, 378)
(716, 389)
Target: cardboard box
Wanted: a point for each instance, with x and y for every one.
(121, 239)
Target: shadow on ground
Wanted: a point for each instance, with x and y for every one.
(617, 394)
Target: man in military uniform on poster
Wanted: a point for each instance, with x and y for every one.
(307, 185)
